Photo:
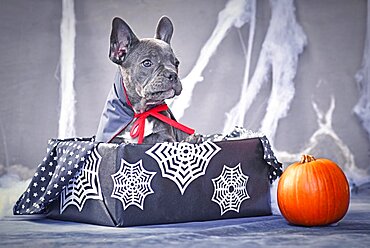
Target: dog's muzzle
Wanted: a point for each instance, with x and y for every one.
(164, 86)
(173, 79)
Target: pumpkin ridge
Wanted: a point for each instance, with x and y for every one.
(298, 196)
(304, 187)
(335, 212)
(315, 184)
(283, 196)
(343, 189)
(287, 195)
(312, 182)
(322, 168)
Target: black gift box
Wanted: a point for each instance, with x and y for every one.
(136, 184)
(131, 184)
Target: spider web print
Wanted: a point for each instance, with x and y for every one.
(230, 189)
(85, 185)
(132, 184)
(183, 162)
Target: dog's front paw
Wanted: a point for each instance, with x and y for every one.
(195, 138)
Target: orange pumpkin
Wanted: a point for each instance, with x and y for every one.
(313, 192)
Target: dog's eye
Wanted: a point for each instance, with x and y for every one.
(177, 63)
(147, 63)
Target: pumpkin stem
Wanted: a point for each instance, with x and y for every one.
(307, 158)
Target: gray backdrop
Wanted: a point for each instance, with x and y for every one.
(29, 73)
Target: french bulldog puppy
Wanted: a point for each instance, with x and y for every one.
(147, 75)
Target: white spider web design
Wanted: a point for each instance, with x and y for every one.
(230, 189)
(85, 185)
(132, 184)
(183, 162)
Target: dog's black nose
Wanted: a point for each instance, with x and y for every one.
(172, 76)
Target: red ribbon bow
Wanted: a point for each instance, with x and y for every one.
(138, 127)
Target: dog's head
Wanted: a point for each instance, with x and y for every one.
(148, 66)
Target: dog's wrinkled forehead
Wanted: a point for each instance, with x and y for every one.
(153, 49)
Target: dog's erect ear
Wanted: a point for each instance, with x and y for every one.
(164, 29)
(121, 39)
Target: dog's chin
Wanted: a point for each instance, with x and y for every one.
(158, 97)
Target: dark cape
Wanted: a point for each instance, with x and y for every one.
(117, 113)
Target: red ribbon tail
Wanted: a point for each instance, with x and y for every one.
(137, 129)
(141, 132)
(173, 123)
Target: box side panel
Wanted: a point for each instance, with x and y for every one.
(170, 203)
(91, 200)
